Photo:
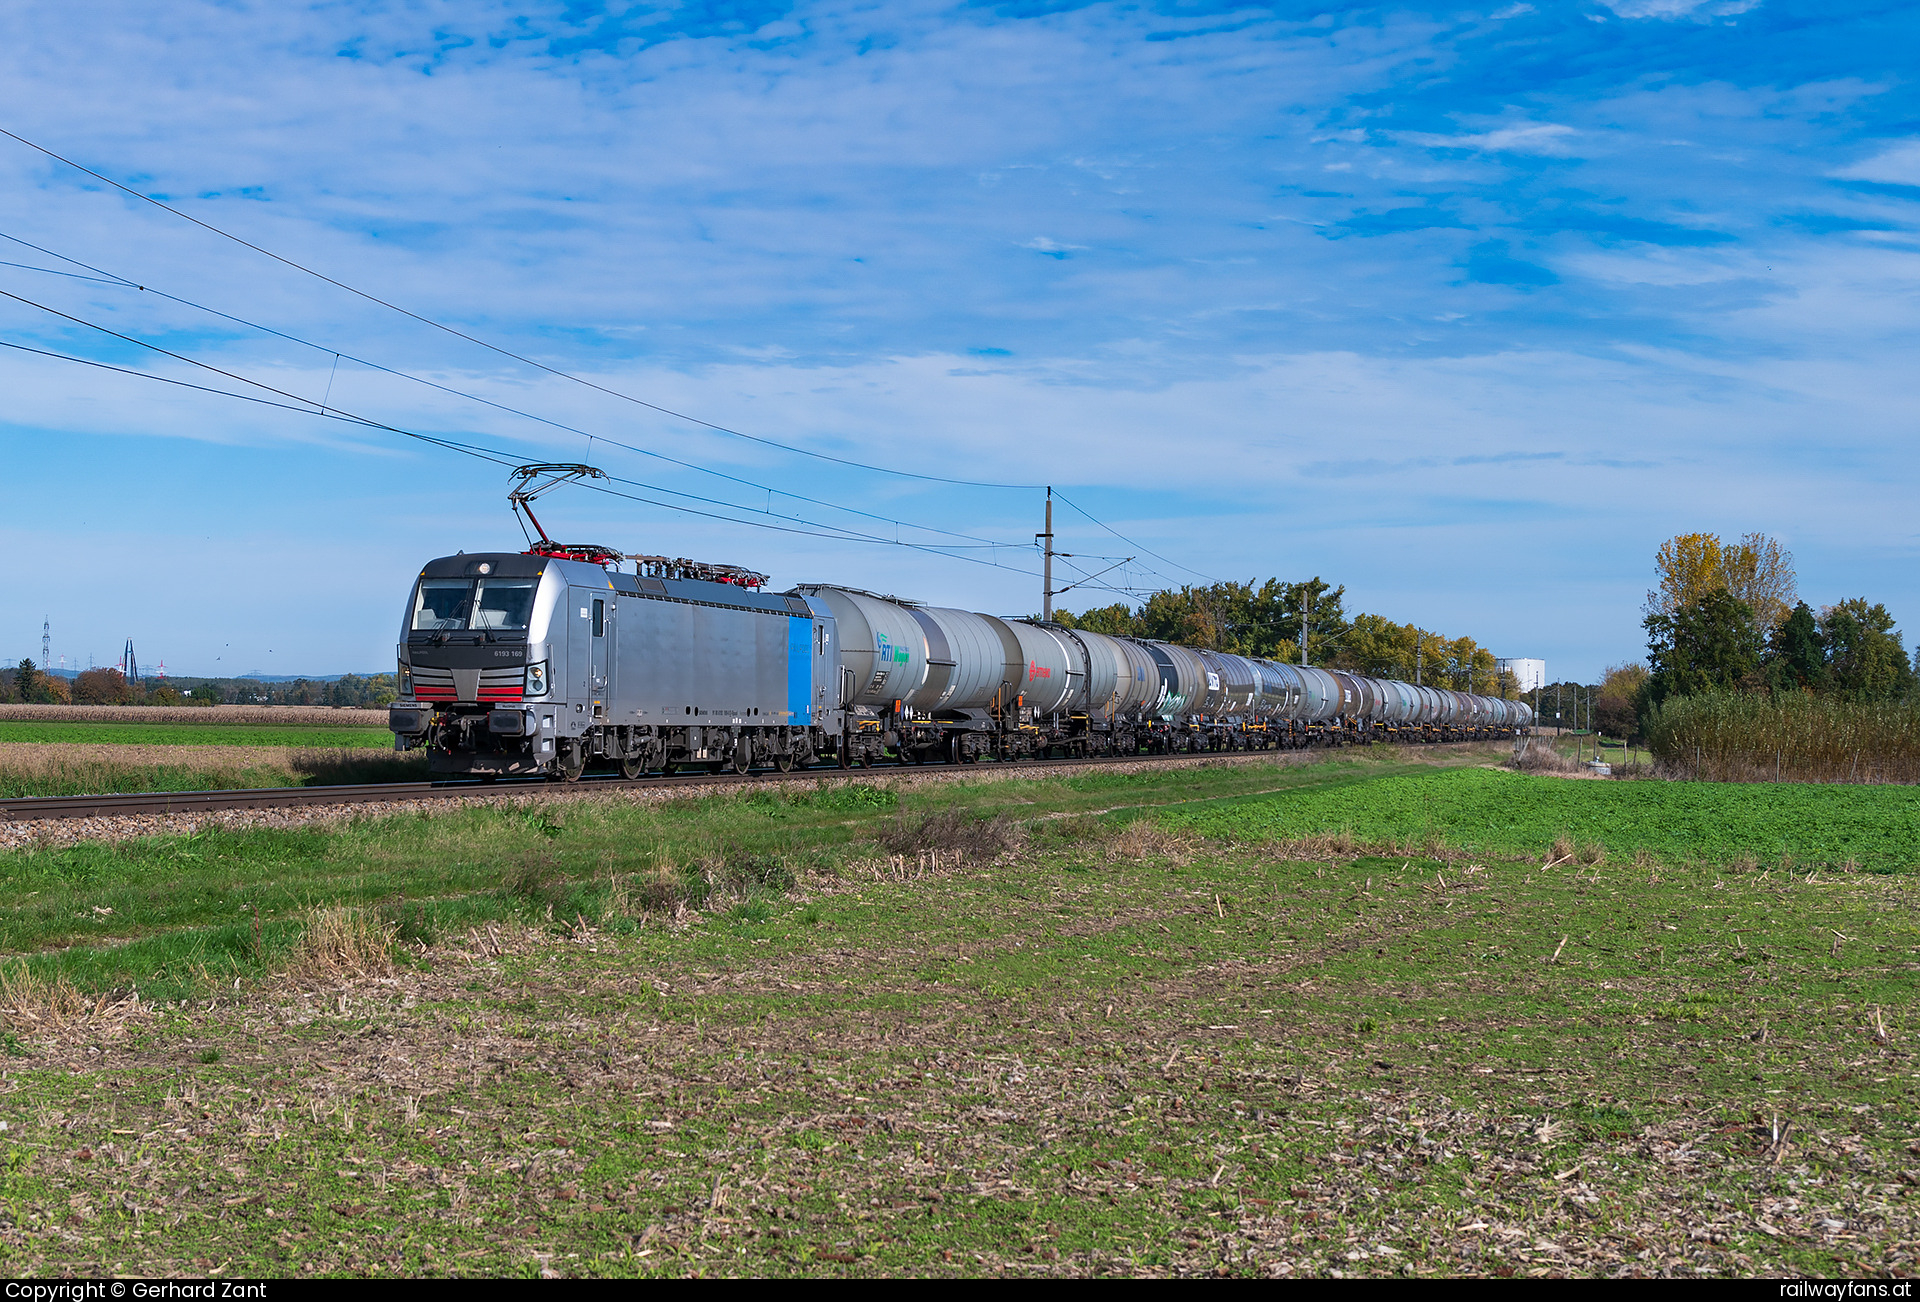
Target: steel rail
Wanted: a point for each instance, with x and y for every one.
(28, 808)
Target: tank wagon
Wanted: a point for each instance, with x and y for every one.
(533, 665)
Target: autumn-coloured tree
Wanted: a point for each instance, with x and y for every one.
(1756, 571)
(103, 687)
(1234, 617)
(1759, 571)
(1616, 705)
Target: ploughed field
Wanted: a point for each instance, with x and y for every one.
(1008, 1024)
(95, 750)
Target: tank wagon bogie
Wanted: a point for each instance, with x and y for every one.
(525, 665)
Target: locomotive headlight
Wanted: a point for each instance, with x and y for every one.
(537, 679)
(406, 679)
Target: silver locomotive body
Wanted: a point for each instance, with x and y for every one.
(532, 665)
(529, 665)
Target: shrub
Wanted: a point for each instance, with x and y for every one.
(342, 942)
(950, 830)
(1541, 758)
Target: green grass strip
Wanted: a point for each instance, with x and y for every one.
(175, 733)
(1497, 812)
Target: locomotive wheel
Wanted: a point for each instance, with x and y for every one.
(783, 762)
(743, 756)
(632, 768)
(573, 763)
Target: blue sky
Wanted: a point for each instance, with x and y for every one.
(1465, 308)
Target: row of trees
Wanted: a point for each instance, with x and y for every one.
(1728, 618)
(1266, 620)
(1717, 643)
(28, 682)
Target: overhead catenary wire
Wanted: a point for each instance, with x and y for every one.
(448, 444)
(497, 349)
(839, 530)
(1131, 543)
(106, 277)
(566, 375)
(496, 455)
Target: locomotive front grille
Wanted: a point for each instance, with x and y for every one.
(488, 685)
(430, 684)
(505, 684)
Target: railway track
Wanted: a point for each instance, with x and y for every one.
(28, 808)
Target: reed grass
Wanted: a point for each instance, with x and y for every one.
(1741, 737)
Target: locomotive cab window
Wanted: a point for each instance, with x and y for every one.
(441, 603)
(504, 603)
(599, 619)
(493, 604)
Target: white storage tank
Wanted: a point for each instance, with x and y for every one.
(1530, 674)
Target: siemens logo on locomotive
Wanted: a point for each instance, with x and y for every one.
(542, 666)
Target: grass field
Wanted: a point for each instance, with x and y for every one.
(1496, 812)
(170, 733)
(1024, 1027)
(98, 749)
(66, 769)
(95, 750)
(285, 716)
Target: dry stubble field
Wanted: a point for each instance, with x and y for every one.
(981, 1028)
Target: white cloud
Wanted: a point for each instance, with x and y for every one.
(1696, 9)
(1522, 138)
(1899, 164)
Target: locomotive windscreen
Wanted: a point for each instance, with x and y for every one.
(489, 603)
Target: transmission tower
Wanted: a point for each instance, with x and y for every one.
(129, 666)
(46, 643)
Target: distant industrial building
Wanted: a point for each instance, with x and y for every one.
(1530, 674)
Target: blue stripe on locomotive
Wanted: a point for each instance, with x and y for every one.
(800, 672)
